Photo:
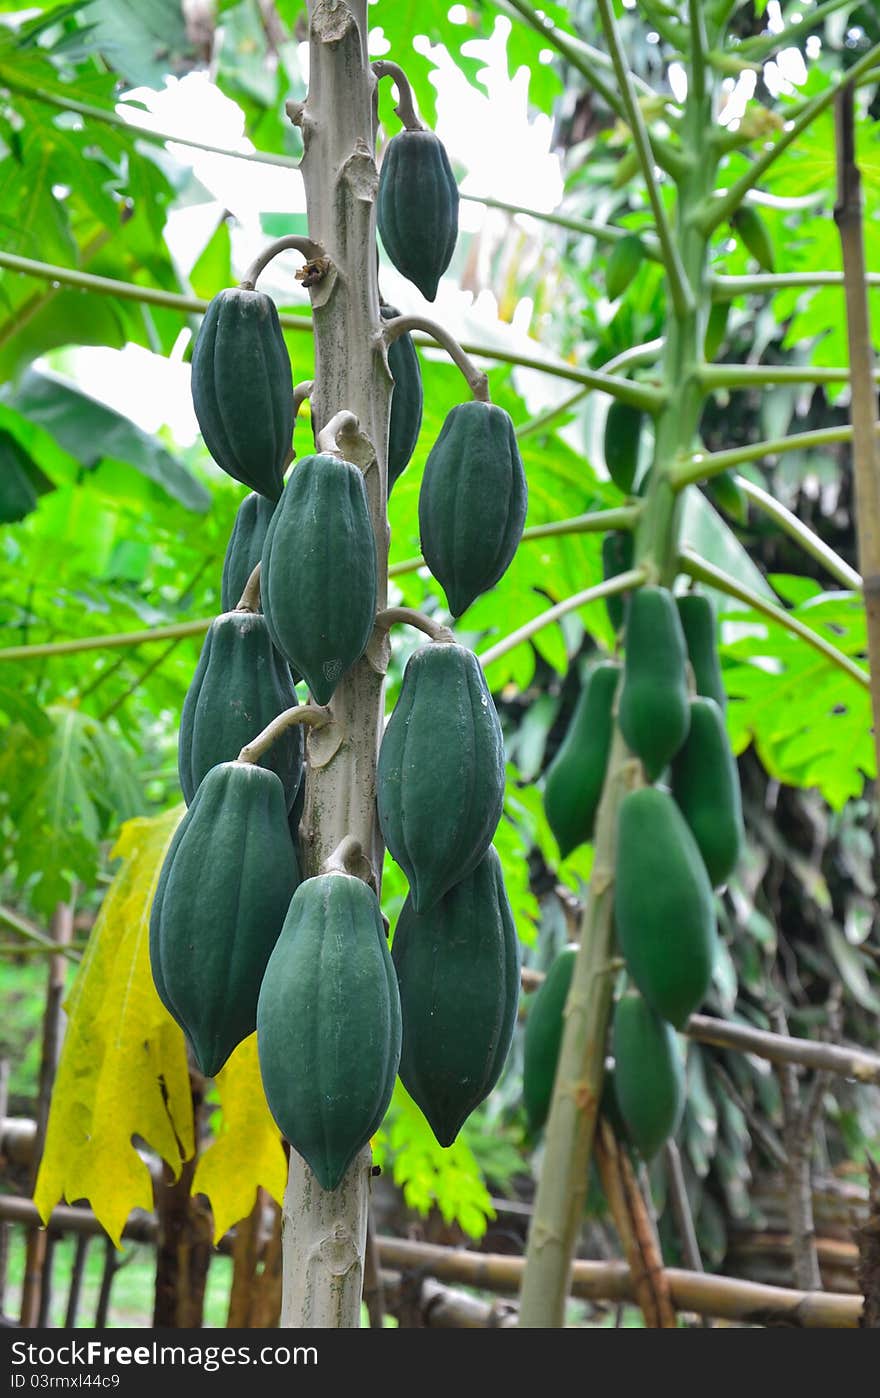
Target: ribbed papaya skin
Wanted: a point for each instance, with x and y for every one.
(220, 903)
(328, 1024)
(705, 784)
(242, 389)
(648, 1074)
(241, 683)
(653, 711)
(318, 574)
(543, 1036)
(576, 775)
(407, 400)
(244, 548)
(440, 776)
(663, 907)
(472, 502)
(417, 208)
(698, 624)
(458, 972)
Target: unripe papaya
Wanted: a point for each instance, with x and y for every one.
(724, 492)
(752, 229)
(407, 400)
(623, 431)
(219, 906)
(698, 624)
(663, 906)
(417, 208)
(648, 1074)
(624, 261)
(653, 711)
(705, 784)
(458, 971)
(618, 551)
(244, 547)
(543, 1036)
(716, 327)
(576, 775)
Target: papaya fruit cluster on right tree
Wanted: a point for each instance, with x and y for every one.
(679, 836)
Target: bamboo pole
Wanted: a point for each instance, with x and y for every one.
(863, 402)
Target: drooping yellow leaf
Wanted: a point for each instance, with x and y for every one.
(247, 1151)
(123, 1068)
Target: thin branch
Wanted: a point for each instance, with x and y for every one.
(623, 517)
(639, 395)
(726, 288)
(679, 288)
(139, 680)
(609, 588)
(129, 638)
(802, 534)
(760, 1132)
(309, 714)
(571, 51)
(408, 616)
(720, 210)
(855, 1063)
(715, 376)
(798, 1195)
(602, 232)
(311, 251)
(761, 46)
(696, 567)
(476, 379)
(684, 1219)
(406, 106)
(707, 464)
(34, 935)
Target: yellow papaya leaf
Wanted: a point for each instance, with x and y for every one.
(247, 1151)
(123, 1068)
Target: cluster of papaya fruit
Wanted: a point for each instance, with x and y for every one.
(678, 837)
(239, 939)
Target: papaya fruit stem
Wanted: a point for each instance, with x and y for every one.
(342, 424)
(406, 105)
(311, 251)
(310, 714)
(477, 380)
(301, 392)
(408, 616)
(250, 597)
(348, 858)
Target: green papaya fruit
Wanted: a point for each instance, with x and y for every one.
(724, 492)
(472, 502)
(653, 710)
(244, 547)
(440, 777)
(242, 389)
(543, 1037)
(648, 1074)
(407, 400)
(417, 208)
(241, 683)
(328, 1024)
(752, 230)
(623, 263)
(663, 906)
(220, 901)
(458, 972)
(623, 432)
(318, 574)
(716, 328)
(705, 784)
(576, 775)
(618, 552)
(700, 633)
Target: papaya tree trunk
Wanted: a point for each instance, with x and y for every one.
(324, 1236)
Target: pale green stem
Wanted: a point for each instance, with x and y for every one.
(768, 283)
(602, 232)
(699, 47)
(761, 46)
(720, 210)
(113, 118)
(33, 935)
(609, 588)
(129, 638)
(715, 376)
(627, 359)
(639, 395)
(702, 571)
(703, 467)
(679, 288)
(802, 534)
(622, 517)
